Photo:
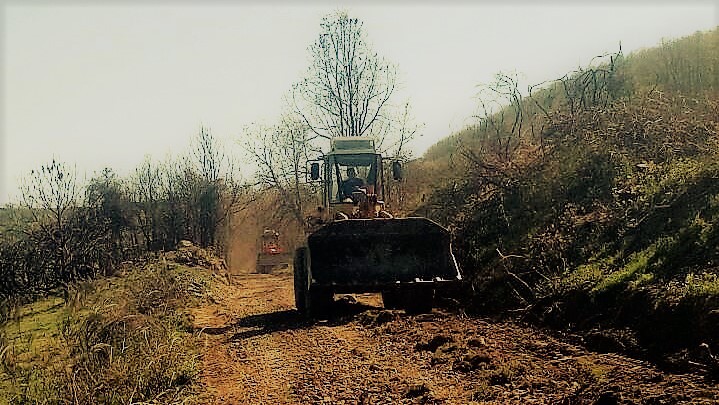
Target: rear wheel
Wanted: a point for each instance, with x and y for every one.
(301, 280)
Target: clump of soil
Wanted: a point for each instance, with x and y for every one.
(434, 343)
(189, 254)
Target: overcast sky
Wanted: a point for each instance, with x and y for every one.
(103, 86)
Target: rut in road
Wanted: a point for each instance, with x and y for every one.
(257, 349)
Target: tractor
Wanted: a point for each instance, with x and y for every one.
(271, 255)
(356, 245)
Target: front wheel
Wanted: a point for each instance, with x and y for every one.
(301, 279)
(320, 302)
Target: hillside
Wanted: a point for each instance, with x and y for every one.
(593, 202)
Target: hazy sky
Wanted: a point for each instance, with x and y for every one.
(103, 86)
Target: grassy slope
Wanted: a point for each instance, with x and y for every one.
(606, 216)
(112, 340)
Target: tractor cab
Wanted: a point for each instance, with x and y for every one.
(352, 165)
(352, 178)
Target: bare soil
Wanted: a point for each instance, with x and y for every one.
(256, 349)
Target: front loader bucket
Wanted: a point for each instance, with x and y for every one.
(380, 252)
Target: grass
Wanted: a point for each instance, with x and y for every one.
(30, 342)
(39, 320)
(595, 372)
(632, 272)
(701, 285)
(114, 340)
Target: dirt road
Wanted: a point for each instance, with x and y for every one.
(257, 350)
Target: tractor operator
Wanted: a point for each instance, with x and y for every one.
(353, 183)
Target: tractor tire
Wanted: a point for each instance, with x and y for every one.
(419, 300)
(301, 285)
(320, 303)
(392, 299)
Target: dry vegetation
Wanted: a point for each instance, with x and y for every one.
(87, 312)
(123, 339)
(63, 231)
(592, 202)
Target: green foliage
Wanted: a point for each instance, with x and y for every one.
(632, 272)
(585, 276)
(701, 285)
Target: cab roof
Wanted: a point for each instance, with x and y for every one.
(352, 145)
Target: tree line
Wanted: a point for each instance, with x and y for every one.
(62, 231)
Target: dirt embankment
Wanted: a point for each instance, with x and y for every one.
(257, 349)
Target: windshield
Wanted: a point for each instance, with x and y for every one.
(349, 173)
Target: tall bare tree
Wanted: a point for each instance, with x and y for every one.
(219, 191)
(51, 195)
(209, 155)
(347, 91)
(281, 153)
(348, 86)
(147, 194)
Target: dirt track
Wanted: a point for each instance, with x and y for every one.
(257, 349)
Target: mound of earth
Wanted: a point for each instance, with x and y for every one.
(189, 254)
